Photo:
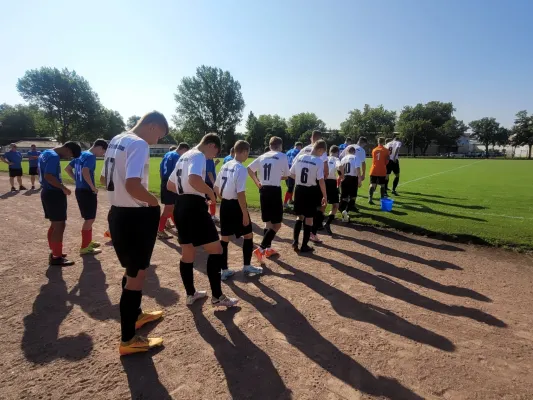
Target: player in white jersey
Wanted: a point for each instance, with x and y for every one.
(308, 172)
(194, 223)
(394, 163)
(272, 167)
(332, 189)
(319, 215)
(230, 186)
(133, 220)
(351, 181)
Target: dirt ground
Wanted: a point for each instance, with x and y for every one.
(372, 314)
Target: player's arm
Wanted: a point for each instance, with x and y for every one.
(252, 171)
(86, 173)
(360, 178)
(3, 159)
(70, 171)
(326, 167)
(198, 184)
(135, 159)
(241, 197)
(211, 178)
(216, 188)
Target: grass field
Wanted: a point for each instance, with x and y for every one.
(479, 201)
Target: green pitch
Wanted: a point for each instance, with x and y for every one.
(483, 201)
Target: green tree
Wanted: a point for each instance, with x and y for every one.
(254, 132)
(273, 125)
(523, 131)
(450, 132)
(369, 122)
(132, 121)
(210, 101)
(487, 131)
(22, 121)
(66, 98)
(300, 126)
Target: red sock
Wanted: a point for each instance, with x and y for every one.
(213, 208)
(172, 218)
(288, 197)
(162, 222)
(57, 249)
(50, 231)
(86, 238)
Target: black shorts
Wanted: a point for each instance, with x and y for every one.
(231, 219)
(87, 202)
(393, 166)
(193, 221)
(54, 205)
(33, 171)
(349, 187)
(133, 233)
(290, 184)
(332, 191)
(305, 201)
(15, 172)
(271, 204)
(168, 198)
(379, 180)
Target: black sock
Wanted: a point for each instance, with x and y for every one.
(307, 234)
(247, 248)
(343, 205)
(130, 302)
(214, 262)
(330, 219)
(124, 280)
(267, 239)
(395, 183)
(317, 221)
(351, 205)
(371, 192)
(187, 276)
(387, 183)
(265, 230)
(224, 254)
(383, 192)
(297, 228)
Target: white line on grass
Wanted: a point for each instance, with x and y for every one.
(439, 173)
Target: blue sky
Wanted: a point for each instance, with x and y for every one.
(290, 56)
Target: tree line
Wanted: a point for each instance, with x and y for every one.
(62, 105)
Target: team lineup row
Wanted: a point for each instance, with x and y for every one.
(135, 217)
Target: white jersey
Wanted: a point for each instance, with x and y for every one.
(272, 166)
(231, 179)
(307, 169)
(127, 156)
(360, 155)
(190, 163)
(349, 165)
(308, 150)
(394, 149)
(333, 166)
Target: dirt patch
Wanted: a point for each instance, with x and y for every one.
(372, 314)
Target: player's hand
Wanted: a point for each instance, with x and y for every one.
(95, 190)
(245, 220)
(67, 191)
(324, 201)
(363, 178)
(259, 186)
(212, 197)
(153, 202)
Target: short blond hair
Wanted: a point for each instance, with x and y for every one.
(316, 135)
(241, 146)
(156, 118)
(381, 140)
(275, 142)
(320, 144)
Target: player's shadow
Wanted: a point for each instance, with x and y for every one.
(442, 203)
(31, 192)
(90, 293)
(407, 275)
(425, 209)
(41, 343)
(143, 379)
(432, 195)
(171, 244)
(393, 289)
(249, 371)
(303, 336)
(7, 195)
(152, 288)
(440, 265)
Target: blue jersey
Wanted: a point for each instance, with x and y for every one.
(210, 167)
(49, 163)
(227, 159)
(35, 161)
(85, 160)
(14, 157)
(291, 155)
(168, 163)
(342, 147)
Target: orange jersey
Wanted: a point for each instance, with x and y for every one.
(380, 159)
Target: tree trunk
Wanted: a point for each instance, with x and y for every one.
(529, 152)
(486, 150)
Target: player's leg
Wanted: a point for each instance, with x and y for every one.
(188, 253)
(247, 249)
(371, 191)
(345, 200)
(214, 266)
(396, 177)
(296, 232)
(383, 189)
(227, 229)
(289, 194)
(318, 219)
(353, 194)
(32, 178)
(57, 212)
(224, 242)
(12, 180)
(168, 210)
(308, 225)
(87, 202)
(19, 181)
